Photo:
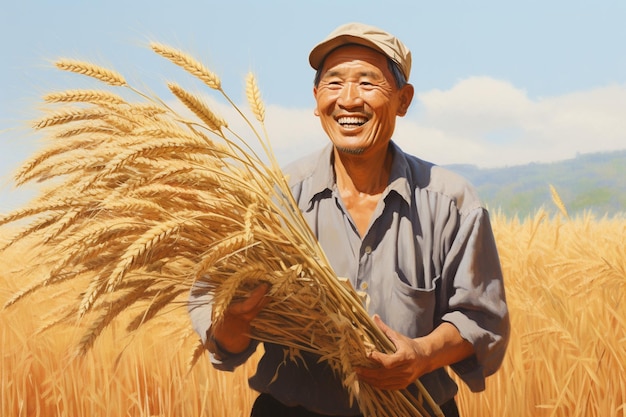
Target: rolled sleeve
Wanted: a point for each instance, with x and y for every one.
(477, 305)
(200, 312)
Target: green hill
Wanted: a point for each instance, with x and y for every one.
(593, 183)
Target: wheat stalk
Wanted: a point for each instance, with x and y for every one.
(145, 202)
(556, 199)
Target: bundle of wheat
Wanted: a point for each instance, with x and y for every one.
(145, 202)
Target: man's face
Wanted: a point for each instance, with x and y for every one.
(358, 101)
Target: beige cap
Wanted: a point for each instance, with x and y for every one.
(361, 34)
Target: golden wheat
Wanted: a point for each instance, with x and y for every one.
(152, 202)
(565, 358)
(87, 96)
(67, 116)
(91, 70)
(254, 98)
(93, 129)
(198, 107)
(188, 63)
(111, 310)
(556, 198)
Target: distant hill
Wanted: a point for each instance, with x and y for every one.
(593, 183)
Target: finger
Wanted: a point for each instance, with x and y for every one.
(379, 322)
(255, 302)
(258, 295)
(391, 334)
(380, 358)
(382, 325)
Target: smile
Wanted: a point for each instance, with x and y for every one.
(352, 121)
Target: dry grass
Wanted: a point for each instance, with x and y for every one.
(565, 282)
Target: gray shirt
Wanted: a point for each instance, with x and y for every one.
(428, 257)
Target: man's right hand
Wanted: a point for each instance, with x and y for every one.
(232, 334)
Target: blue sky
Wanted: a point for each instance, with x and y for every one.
(497, 82)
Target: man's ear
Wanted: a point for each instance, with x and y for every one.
(406, 96)
(315, 112)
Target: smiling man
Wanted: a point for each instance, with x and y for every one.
(412, 235)
(357, 103)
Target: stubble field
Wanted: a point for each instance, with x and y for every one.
(565, 282)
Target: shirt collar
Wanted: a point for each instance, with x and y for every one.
(323, 178)
(324, 175)
(399, 176)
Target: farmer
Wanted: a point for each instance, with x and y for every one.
(413, 235)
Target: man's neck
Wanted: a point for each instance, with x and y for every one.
(362, 174)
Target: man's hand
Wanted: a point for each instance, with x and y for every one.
(397, 370)
(414, 357)
(233, 332)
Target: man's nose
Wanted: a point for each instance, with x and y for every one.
(350, 96)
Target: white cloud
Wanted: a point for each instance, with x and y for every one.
(294, 132)
(490, 122)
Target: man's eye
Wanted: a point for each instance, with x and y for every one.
(333, 84)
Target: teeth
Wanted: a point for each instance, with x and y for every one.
(352, 120)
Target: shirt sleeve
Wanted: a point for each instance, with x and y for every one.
(476, 299)
(200, 308)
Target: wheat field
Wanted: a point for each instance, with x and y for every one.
(565, 281)
(142, 202)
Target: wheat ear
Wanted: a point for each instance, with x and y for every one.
(67, 116)
(84, 96)
(198, 107)
(80, 67)
(188, 63)
(556, 199)
(254, 98)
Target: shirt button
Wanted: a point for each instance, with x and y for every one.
(368, 250)
(364, 286)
